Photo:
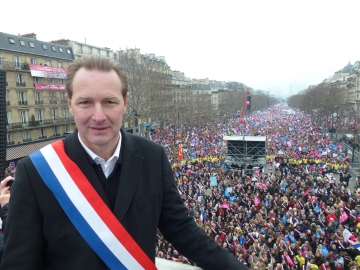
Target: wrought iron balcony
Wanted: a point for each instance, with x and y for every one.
(53, 101)
(6, 65)
(39, 102)
(23, 102)
(29, 124)
(23, 84)
(27, 140)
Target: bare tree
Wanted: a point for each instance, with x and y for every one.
(149, 86)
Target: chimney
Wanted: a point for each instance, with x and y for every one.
(30, 35)
(63, 41)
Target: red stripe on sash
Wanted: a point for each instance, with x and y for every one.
(102, 209)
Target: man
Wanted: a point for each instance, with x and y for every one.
(96, 199)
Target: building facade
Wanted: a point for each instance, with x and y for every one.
(35, 88)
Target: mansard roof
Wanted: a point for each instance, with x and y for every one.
(31, 46)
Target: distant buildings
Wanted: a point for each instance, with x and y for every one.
(348, 78)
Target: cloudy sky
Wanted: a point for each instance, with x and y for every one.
(262, 43)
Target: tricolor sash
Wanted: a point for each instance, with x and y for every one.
(87, 211)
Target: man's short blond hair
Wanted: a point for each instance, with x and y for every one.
(96, 62)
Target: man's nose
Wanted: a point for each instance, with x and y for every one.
(98, 113)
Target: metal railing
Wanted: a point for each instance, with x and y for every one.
(6, 65)
(39, 102)
(21, 125)
(23, 84)
(23, 102)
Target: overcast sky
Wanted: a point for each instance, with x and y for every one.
(264, 44)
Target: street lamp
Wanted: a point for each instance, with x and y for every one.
(178, 117)
(320, 118)
(332, 123)
(355, 134)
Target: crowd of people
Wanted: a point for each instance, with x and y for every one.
(292, 214)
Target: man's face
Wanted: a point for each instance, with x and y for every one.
(98, 107)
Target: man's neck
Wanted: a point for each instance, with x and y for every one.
(101, 151)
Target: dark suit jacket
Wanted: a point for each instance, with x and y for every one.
(39, 235)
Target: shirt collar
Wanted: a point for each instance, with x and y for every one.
(95, 157)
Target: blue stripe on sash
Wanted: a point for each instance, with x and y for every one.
(72, 212)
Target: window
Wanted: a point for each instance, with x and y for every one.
(20, 80)
(52, 98)
(17, 63)
(62, 81)
(53, 48)
(44, 47)
(107, 53)
(38, 98)
(24, 117)
(40, 115)
(48, 63)
(90, 50)
(11, 40)
(0, 59)
(59, 64)
(8, 138)
(22, 98)
(66, 128)
(60, 50)
(42, 133)
(8, 117)
(54, 114)
(79, 49)
(33, 61)
(65, 113)
(26, 135)
(31, 45)
(68, 51)
(55, 131)
(36, 79)
(22, 43)
(99, 53)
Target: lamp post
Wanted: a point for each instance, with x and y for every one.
(178, 117)
(355, 131)
(320, 118)
(332, 123)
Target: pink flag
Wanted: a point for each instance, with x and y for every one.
(344, 216)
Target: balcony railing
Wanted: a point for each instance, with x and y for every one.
(14, 65)
(10, 143)
(27, 140)
(23, 84)
(42, 137)
(53, 101)
(23, 102)
(21, 125)
(39, 102)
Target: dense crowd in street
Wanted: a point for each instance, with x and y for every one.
(290, 215)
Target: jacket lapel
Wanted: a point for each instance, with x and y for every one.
(77, 153)
(130, 175)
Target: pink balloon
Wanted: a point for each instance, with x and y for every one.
(248, 103)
